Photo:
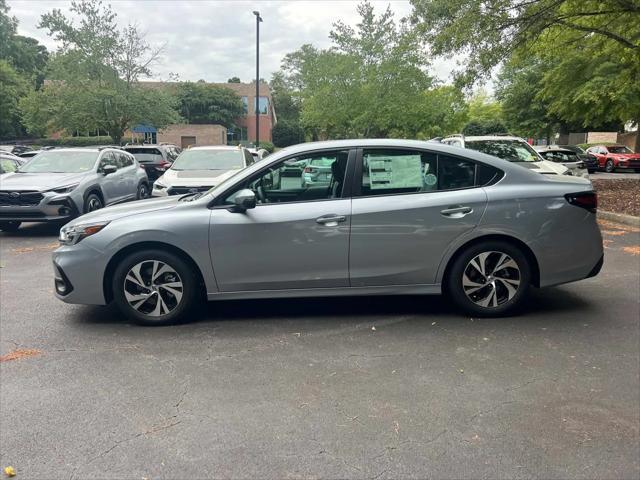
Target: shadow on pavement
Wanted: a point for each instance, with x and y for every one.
(35, 230)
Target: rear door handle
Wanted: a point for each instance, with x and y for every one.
(457, 211)
(331, 220)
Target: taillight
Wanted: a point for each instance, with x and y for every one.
(586, 200)
(163, 165)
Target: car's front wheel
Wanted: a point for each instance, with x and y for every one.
(153, 287)
(609, 167)
(9, 226)
(143, 191)
(489, 279)
(92, 202)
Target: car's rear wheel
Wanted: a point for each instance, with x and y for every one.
(153, 287)
(9, 226)
(143, 191)
(489, 279)
(92, 202)
(608, 166)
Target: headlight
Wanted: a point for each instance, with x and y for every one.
(159, 186)
(70, 235)
(67, 189)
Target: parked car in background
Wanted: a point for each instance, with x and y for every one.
(58, 185)
(512, 149)
(566, 157)
(15, 149)
(399, 217)
(154, 158)
(197, 169)
(614, 157)
(30, 154)
(317, 172)
(590, 161)
(258, 153)
(9, 163)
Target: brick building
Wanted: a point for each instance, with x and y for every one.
(246, 125)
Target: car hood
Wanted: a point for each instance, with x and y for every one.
(39, 181)
(195, 178)
(115, 212)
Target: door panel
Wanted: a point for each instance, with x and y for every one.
(281, 246)
(400, 239)
(109, 183)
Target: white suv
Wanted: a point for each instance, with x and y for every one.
(513, 149)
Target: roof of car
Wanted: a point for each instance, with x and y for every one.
(492, 137)
(216, 147)
(551, 148)
(148, 145)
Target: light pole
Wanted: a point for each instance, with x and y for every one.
(257, 102)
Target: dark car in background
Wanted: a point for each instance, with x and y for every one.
(15, 149)
(590, 161)
(155, 159)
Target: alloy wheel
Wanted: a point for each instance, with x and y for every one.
(143, 193)
(153, 288)
(94, 204)
(491, 279)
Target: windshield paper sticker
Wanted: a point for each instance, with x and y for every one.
(395, 172)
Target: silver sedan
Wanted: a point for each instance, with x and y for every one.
(395, 217)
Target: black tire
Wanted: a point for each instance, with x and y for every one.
(609, 167)
(92, 202)
(454, 281)
(143, 191)
(179, 308)
(10, 226)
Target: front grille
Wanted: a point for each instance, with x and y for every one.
(20, 199)
(183, 190)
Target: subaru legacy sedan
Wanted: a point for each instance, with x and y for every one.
(396, 217)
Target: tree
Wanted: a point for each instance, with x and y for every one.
(287, 132)
(12, 88)
(94, 76)
(204, 103)
(234, 80)
(369, 83)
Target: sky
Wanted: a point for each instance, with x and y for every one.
(215, 40)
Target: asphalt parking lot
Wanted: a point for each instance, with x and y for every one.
(323, 388)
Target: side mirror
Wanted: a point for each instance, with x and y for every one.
(109, 169)
(244, 200)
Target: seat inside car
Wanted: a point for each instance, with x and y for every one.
(338, 169)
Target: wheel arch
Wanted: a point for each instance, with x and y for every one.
(526, 250)
(135, 247)
(95, 188)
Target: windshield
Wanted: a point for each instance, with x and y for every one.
(209, 160)
(511, 150)
(620, 149)
(145, 155)
(61, 162)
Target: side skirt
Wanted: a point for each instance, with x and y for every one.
(420, 289)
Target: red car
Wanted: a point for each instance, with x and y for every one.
(612, 157)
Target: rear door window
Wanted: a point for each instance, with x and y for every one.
(146, 155)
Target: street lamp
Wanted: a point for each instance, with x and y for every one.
(257, 102)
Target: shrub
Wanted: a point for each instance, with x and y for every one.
(287, 133)
(268, 146)
(75, 141)
(485, 127)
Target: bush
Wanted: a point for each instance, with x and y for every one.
(484, 127)
(268, 146)
(287, 133)
(74, 141)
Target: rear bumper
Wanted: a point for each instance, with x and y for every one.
(597, 267)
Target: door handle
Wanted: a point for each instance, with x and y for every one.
(331, 220)
(458, 211)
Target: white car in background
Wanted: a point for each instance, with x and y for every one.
(566, 157)
(258, 153)
(513, 149)
(197, 169)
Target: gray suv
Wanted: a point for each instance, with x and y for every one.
(61, 184)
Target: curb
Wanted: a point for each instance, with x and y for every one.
(619, 218)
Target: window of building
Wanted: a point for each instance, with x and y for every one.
(263, 106)
(245, 104)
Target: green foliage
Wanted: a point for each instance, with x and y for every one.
(94, 77)
(268, 146)
(234, 80)
(75, 141)
(202, 103)
(370, 83)
(484, 127)
(287, 132)
(12, 87)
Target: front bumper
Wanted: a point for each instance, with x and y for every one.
(79, 273)
(51, 208)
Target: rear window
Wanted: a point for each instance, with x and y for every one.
(510, 150)
(145, 154)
